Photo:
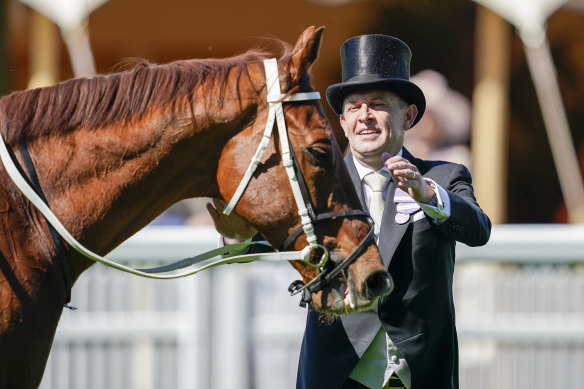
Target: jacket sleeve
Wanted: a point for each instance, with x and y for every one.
(467, 222)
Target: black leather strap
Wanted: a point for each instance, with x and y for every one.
(54, 235)
(322, 216)
(330, 275)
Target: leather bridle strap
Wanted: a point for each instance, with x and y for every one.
(320, 217)
(326, 275)
(330, 275)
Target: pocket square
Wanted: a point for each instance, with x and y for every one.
(408, 208)
(419, 216)
(402, 197)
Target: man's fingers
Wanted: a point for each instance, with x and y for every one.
(407, 174)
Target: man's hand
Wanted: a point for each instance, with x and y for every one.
(230, 226)
(407, 177)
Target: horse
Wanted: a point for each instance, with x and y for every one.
(112, 152)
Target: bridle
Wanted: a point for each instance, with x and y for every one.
(231, 253)
(308, 216)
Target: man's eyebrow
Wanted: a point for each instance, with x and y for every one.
(355, 99)
(375, 97)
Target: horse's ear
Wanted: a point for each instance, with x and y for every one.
(305, 53)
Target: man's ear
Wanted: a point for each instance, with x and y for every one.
(343, 123)
(411, 113)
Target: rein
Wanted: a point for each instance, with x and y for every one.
(231, 253)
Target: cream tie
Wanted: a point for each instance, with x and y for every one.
(377, 182)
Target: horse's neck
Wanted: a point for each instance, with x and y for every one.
(106, 184)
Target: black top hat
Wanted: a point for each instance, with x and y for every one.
(376, 62)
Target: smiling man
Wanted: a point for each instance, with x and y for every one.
(375, 123)
(420, 210)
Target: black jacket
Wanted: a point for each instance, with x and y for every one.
(419, 314)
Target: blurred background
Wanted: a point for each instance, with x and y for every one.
(504, 82)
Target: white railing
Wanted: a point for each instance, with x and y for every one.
(520, 317)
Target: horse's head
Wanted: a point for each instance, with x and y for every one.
(268, 202)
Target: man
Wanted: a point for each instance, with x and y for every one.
(420, 209)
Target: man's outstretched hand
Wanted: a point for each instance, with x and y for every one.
(408, 178)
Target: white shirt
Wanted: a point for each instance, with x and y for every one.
(371, 371)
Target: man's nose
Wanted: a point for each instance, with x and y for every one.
(364, 113)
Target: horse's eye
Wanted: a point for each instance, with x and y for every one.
(318, 153)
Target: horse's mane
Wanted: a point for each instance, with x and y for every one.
(113, 98)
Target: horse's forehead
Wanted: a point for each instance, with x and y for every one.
(310, 121)
(314, 134)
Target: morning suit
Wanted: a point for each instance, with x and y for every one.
(418, 315)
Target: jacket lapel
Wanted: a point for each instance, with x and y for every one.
(355, 177)
(391, 232)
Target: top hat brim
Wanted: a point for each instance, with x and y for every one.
(410, 92)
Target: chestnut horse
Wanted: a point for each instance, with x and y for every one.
(114, 151)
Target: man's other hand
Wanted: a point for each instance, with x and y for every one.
(230, 226)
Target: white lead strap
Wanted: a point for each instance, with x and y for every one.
(205, 259)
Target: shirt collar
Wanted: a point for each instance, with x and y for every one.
(363, 170)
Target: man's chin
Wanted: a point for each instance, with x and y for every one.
(370, 156)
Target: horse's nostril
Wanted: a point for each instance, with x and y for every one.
(378, 283)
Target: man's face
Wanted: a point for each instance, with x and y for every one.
(375, 122)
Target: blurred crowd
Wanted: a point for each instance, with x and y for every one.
(443, 133)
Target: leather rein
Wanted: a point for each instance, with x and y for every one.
(231, 253)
